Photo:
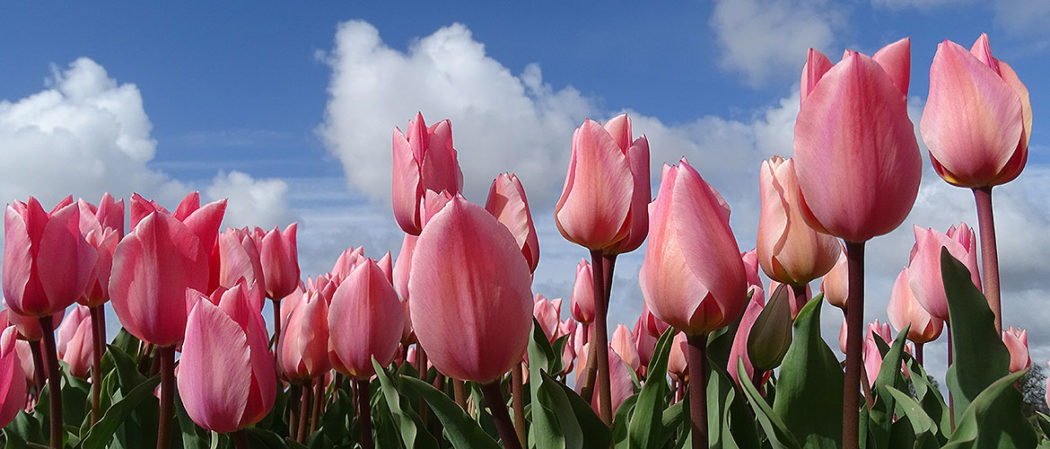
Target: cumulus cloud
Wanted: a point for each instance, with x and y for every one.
(763, 39)
(251, 202)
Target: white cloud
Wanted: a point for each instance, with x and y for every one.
(766, 38)
(916, 4)
(251, 202)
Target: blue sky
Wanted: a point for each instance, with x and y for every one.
(287, 109)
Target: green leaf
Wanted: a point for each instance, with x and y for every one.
(994, 419)
(921, 422)
(596, 435)
(776, 431)
(553, 424)
(406, 421)
(645, 428)
(101, 434)
(880, 426)
(809, 394)
(979, 356)
(462, 431)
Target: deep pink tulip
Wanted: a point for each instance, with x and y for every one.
(424, 160)
(924, 269)
(789, 250)
(835, 285)
(279, 255)
(13, 386)
(365, 320)
(548, 313)
(602, 206)
(25, 355)
(856, 156)
(304, 342)
(46, 263)
(738, 351)
(226, 377)
(152, 268)
(239, 259)
(1016, 340)
(75, 341)
(905, 310)
(471, 299)
(690, 228)
(345, 263)
(204, 221)
(508, 204)
(102, 227)
(624, 344)
(583, 293)
(978, 117)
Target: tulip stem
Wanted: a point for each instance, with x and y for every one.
(167, 394)
(459, 390)
(421, 365)
(698, 389)
(600, 345)
(854, 340)
(951, 397)
(276, 325)
(989, 253)
(295, 393)
(304, 411)
(315, 416)
(364, 412)
(54, 381)
(99, 333)
(39, 374)
(494, 397)
(517, 398)
(918, 353)
(239, 441)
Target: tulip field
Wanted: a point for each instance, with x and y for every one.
(448, 345)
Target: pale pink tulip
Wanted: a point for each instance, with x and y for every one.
(624, 344)
(677, 363)
(644, 343)
(924, 269)
(423, 160)
(1016, 340)
(835, 285)
(365, 320)
(304, 340)
(583, 293)
(548, 314)
(239, 259)
(508, 204)
(278, 253)
(738, 351)
(690, 228)
(13, 386)
(75, 342)
(905, 310)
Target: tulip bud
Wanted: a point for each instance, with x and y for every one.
(548, 314)
(239, 259)
(770, 335)
(924, 269)
(583, 293)
(304, 342)
(677, 363)
(904, 310)
(424, 160)
(279, 257)
(508, 204)
(623, 344)
(365, 320)
(1016, 340)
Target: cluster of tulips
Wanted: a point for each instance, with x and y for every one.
(422, 351)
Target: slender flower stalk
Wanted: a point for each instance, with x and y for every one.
(38, 365)
(98, 331)
(517, 396)
(601, 336)
(854, 342)
(989, 253)
(698, 389)
(364, 412)
(494, 397)
(54, 381)
(167, 394)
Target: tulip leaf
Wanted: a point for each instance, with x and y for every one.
(809, 394)
(596, 435)
(462, 431)
(880, 427)
(920, 421)
(931, 400)
(979, 356)
(645, 429)
(191, 433)
(770, 336)
(406, 421)
(100, 435)
(995, 419)
(553, 424)
(777, 433)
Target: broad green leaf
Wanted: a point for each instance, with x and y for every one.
(553, 424)
(776, 431)
(880, 426)
(462, 431)
(809, 394)
(917, 417)
(645, 428)
(406, 421)
(994, 419)
(596, 435)
(100, 435)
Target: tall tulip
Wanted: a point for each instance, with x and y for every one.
(304, 348)
(423, 160)
(508, 204)
(690, 228)
(279, 257)
(76, 343)
(471, 300)
(904, 310)
(858, 168)
(977, 125)
(924, 268)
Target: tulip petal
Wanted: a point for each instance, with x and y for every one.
(816, 66)
(365, 320)
(407, 189)
(214, 378)
(895, 59)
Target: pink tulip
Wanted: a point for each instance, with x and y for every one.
(203, 221)
(583, 293)
(75, 341)
(905, 310)
(46, 261)
(750, 260)
(620, 383)
(471, 298)
(108, 214)
(856, 157)
(424, 160)
(28, 327)
(568, 354)
(152, 268)
(789, 250)
(69, 325)
(548, 314)
(304, 341)
(226, 377)
(644, 343)
(602, 206)
(239, 259)
(623, 343)
(102, 227)
(346, 263)
(1048, 388)
(13, 386)
(1016, 340)
(655, 326)
(278, 253)
(924, 269)
(365, 320)
(508, 204)
(386, 265)
(978, 117)
(738, 352)
(690, 228)
(796, 302)
(872, 361)
(677, 363)
(835, 285)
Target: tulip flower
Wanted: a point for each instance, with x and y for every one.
(239, 259)
(620, 374)
(789, 250)
(508, 204)
(548, 314)
(423, 160)
(583, 294)
(365, 320)
(108, 214)
(738, 350)
(799, 296)
(924, 268)
(644, 343)
(1016, 340)
(278, 253)
(76, 342)
(623, 344)
(229, 386)
(304, 347)
(346, 263)
(750, 260)
(835, 285)
(905, 310)
(677, 364)
(13, 387)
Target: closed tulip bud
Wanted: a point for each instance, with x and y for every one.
(13, 386)
(548, 314)
(677, 364)
(644, 343)
(152, 268)
(423, 160)
(1016, 340)
(770, 334)
(924, 269)
(797, 302)
(279, 256)
(304, 343)
(75, 342)
(603, 204)
(239, 259)
(226, 377)
(690, 228)
(46, 263)
(978, 118)
(750, 260)
(467, 270)
(104, 242)
(856, 156)
(583, 293)
(365, 320)
(65, 330)
(739, 350)
(508, 204)
(789, 250)
(905, 310)
(835, 285)
(623, 344)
